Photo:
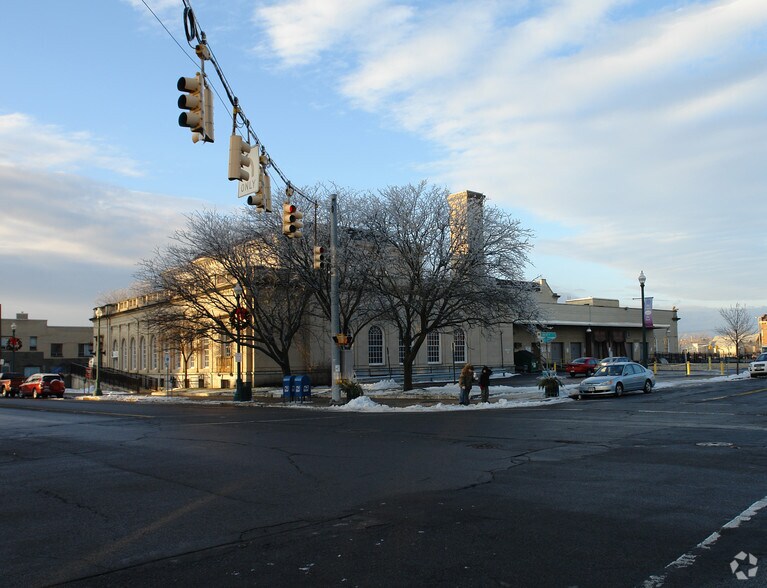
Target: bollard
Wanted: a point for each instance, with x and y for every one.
(709, 363)
(688, 368)
(721, 367)
(655, 367)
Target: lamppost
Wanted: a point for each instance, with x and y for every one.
(13, 347)
(98, 352)
(238, 388)
(642, 280)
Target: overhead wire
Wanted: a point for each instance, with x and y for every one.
(193, 31)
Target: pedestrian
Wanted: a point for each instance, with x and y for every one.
(465, 380)
(484, 383)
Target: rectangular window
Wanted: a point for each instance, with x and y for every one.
(33, 343)
(459, 346)
(375, 346)
(57, 350)
(84, 349)
(433, 354)
(205, 353)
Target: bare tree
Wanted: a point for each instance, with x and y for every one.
(175, 331)
(439, 267)
(215, 252)
(354, 264)
(738, 325)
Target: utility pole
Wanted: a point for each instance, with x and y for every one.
(335, 303)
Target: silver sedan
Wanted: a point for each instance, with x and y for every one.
(616, 379)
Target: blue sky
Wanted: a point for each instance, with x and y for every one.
(628, 135)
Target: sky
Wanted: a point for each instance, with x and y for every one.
(628, 135)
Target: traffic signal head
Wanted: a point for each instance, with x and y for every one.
(198, 101)
(291, 221)
(239, 160)
(319, 257)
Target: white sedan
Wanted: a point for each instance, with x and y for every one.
(759, 366)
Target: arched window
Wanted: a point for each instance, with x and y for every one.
(433, 351)
(375, 346)
(133, 354)
(153, 352)
(459, 346)
(115, 355)
(124, 355)
(142, 357)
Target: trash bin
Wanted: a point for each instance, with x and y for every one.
(288, 388)
(303, 385)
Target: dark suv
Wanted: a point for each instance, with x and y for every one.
(10, 382)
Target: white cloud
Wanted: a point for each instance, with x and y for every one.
(639, 132)
(29, 143)
(300, 30)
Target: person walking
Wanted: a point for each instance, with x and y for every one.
(484, 383)
(465, 380)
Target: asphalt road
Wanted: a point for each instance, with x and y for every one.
(646, 490)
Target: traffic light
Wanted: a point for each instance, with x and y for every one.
(198, 100)
(266, 182)
(291, 221)
(319, 257)
(239, 159)
(256, 200)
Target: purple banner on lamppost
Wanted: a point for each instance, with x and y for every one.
(648, 312)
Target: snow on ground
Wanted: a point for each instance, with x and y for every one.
(431, 399)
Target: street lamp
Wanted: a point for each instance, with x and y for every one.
(238, 388)
(98, 352)
(13, 347)
(642, 280)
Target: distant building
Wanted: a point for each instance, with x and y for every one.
(44, 348)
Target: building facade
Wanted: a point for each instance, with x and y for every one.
(595, 327)
(584, 327)
(43, 348)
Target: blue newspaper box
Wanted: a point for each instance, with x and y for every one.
(303, 386)
(288, 388)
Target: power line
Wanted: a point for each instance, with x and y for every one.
(193, 32)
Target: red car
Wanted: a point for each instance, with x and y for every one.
(583, 365)
(38, 385)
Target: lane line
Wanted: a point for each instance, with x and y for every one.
(688, 559)
(759, 391)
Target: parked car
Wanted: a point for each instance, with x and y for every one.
(38, 385)
(583, 365)
(616, 378)
(10, 382)
(614, 359)
(758, 367)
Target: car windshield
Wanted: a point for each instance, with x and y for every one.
(762, 357)
(609, 370)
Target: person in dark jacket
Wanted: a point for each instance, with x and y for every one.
(465, 380)
(484, 383)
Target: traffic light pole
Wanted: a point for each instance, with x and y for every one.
(335, 304)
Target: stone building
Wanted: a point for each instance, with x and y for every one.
(584, 327)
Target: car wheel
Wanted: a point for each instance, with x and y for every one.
(61, 395)
(619, 389)
(647, 387)
(572, 374)
(5, 393)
